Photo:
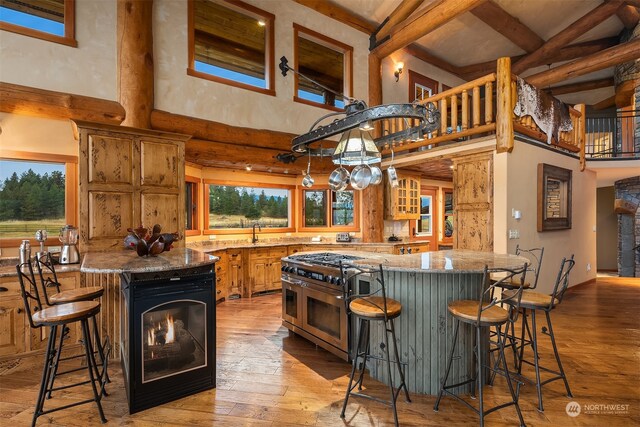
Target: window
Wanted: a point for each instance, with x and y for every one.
(36, 194)
(421, 87)
(232, 207)
(191, 206)
(231, 42)
(324, 208)
(425, 227)
(51, 20)
(447, 224)
(326, 61)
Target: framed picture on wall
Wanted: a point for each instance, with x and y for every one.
(554, 198)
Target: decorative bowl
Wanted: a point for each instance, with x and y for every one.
(146, 244)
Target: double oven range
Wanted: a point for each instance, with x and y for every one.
(313, 300)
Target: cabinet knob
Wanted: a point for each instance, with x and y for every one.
(218, 292)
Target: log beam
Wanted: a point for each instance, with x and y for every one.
(605, 103)
(423, 24)
(581, 86)
(510, 27)
(402, 12)
(628, 15)
(135, 61)
(35, 102)
(339, 13)
(573, 31)
(609, 57)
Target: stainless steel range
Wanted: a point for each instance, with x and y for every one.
(313, 300)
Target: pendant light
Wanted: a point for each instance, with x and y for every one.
(356, 147)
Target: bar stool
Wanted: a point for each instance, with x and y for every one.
(48, 279)
(487, 311)
(373, 306)
(533, 301)
(54, 318)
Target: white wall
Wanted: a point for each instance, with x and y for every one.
(517, 178)
(38, 135)
(89, 69)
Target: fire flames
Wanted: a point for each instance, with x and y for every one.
(164, 328)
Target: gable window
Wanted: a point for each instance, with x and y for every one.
(52, 20)
(324, 208)
(326, 61)
(37, 192)
(421, 87)
(234, 208)
(231, 42)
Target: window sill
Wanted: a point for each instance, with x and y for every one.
(67, 41)
(328, 229)
(199, 74)
(248, 231)
(192, 232)
(317, 104)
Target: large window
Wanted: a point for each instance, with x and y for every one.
(326, 61)
(231, 42)
(36, 195)
(51, 20)
(234, 207)
(323, 208)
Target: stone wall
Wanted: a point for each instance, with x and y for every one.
(629, 228)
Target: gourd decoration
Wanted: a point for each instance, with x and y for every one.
(149, 244)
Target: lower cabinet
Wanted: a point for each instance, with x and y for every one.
(235, 277)
(411, 248)
(222, 265)
(265, 272)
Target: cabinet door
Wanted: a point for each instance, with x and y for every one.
(12, 325)
(259, 275)
(235, 280)
(275, 275)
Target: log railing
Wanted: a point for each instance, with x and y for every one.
(486, 106)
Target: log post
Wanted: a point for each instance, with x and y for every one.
(135, 61)
(504, 106)
(373, 195)
(580, 134)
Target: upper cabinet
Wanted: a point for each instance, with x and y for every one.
(403, 201)
(128, 177)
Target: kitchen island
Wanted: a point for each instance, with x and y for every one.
(424, 284)
(165, 308)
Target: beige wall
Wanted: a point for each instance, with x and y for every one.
(89, 69)
(34, 134)
(517, 178)
(607, 237)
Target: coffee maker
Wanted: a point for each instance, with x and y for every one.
(69, 238)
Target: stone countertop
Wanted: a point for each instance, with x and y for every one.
(8, 267)
(450, 261)
(122, 261)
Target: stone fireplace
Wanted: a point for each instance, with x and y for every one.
(627, 201)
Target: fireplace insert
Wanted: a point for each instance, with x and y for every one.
(168, 335)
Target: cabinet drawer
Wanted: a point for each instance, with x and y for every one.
(278, 252)
(9, 287)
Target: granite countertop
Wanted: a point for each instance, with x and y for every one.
(450, 261)
(122, 261)
(8, 267)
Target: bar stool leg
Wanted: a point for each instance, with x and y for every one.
(90, 366)
(353, 367)
(536, 363)
(446, 375)
(555, 351)
(96, 334)
(57, 361)
(46, 372)
(400, 371)
(365, 351)
(480, 375)
(514, 394)
(393, 394)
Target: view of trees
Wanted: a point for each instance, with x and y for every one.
(32, 196)
(230, 201)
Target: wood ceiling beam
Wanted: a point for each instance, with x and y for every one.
(402, 12)
(573, 31)
(339, 13)
(581, 86)
(628, 15)
(605, 103)
(634, 3)
(35, 102)
(422, 54)
(424, 23)
(609, 57)
(509, 26)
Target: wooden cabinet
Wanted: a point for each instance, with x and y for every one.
(222, 265)
(13, 322)
(403, 201)
(414, 248)
(294, 249)
(264, 269)
(235, 278)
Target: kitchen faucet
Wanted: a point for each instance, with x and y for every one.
(254, 238)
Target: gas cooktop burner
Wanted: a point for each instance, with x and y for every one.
(329, 259)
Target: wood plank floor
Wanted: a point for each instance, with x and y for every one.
(267, 377)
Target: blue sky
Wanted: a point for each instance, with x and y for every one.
(8, 167)
(31, 21)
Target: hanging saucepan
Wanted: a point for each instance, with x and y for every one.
(339, 179)
(392, 174)
(360, 177)
(376, 175)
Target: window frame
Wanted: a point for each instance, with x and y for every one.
(223, 231)
(329, 196)
(69, 38)
(447, 240)
(430, 215)
(346, 50)
(195, 198)
(422, 80)
(269, 20)
(70, 189)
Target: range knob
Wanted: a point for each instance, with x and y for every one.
(339, 281)
(336, 280)
(329, 279)
(283, 268)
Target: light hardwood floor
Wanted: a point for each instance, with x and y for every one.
(268, 377)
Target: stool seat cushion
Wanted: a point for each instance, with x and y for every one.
(467, 311)
(65, 313)
(533, 299)
(372, 307)
(74, 295)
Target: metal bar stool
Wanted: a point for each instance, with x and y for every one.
(533, 301)
(56, 317)
(487, 311)
(374, 306)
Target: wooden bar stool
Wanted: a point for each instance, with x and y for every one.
(534, 301)
(487, 311)
(49, 279)
(55, 317)
(373, 306)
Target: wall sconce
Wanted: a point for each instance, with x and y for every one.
(398, 71)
